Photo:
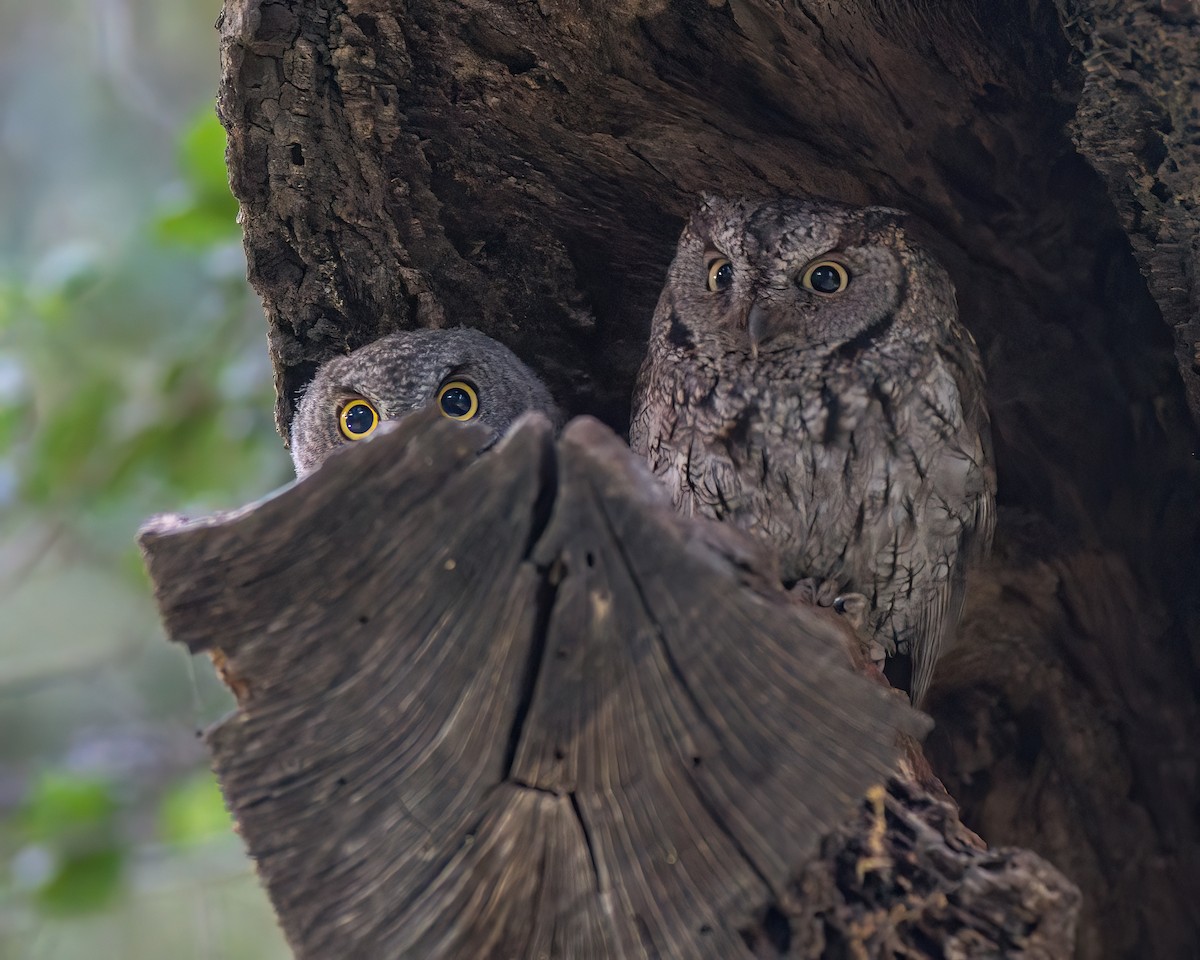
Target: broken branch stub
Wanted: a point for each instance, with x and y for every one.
(513, 705)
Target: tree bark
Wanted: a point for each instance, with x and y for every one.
(524, 168)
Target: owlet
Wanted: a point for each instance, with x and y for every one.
(808, 379)
(466, 374)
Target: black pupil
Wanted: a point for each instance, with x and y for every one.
(826, 280)
(359, 418)
(456, 402)
(724, 276)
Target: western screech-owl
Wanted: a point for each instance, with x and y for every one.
(808, 379)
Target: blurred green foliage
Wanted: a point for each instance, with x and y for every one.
(133, 379)
(59, 806)
(134, 387)
(204, 213)
(192, 811)
(72, 819)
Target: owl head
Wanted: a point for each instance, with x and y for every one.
(767, 275)
(466, 375)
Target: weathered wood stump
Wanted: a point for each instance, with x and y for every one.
(525, 168)
(515, 707)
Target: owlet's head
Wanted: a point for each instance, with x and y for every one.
(467, 375)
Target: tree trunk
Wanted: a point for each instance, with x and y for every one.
(525, 168)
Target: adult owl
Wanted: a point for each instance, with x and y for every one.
(466, 374)
(808, 379)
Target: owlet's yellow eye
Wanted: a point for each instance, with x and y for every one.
(458, 400)
(720, 274)
(825, 277)
(357, 419)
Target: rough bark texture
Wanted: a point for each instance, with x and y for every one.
(516, 707)
(525, 168)
(932, 892)
(1138, 123)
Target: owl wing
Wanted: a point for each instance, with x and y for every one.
(652, 405)
(640, 419)
(963, 513)
(966, 522)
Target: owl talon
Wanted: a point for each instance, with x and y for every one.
(855, 607)
(852, 606)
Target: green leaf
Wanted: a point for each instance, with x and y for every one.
(84, 882)
(202, 156)
(193, 811)
(207, 215)
(198, 225)
(67, 435)
(63, 804)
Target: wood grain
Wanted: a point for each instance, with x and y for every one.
(516, 707)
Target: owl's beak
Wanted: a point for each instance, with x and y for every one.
(756, 327)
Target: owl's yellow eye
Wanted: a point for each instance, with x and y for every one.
(825, 277)
(720, 274)
(458, 400)
(358, 419)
